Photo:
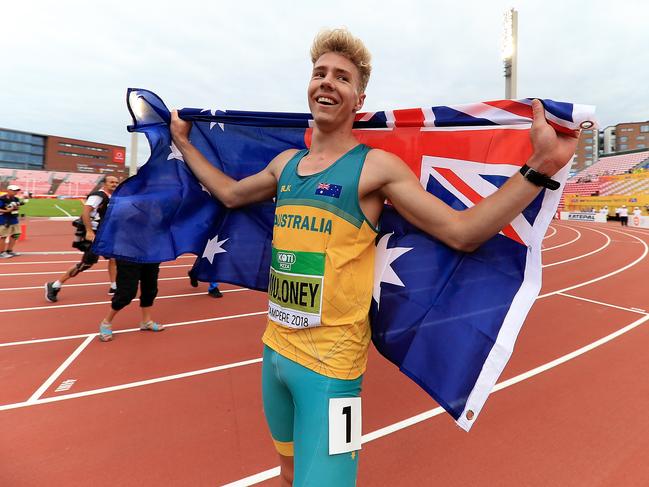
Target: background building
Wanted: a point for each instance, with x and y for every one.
(21, 150)
(631, 136)
(614, 139)
(24, 150)
(607, 140)
(587, 150)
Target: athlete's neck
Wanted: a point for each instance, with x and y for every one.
(325, 145)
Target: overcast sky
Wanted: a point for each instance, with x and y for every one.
(65, 65)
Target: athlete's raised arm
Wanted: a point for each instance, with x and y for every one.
(467, 230)
(229, 191)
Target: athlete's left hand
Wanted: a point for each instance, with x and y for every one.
(551, 149)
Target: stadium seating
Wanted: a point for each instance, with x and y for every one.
(620, 185)
(611, 165)
(35, 182)
(50, 183)
(79, 184)
(605, 177)
(585, 189)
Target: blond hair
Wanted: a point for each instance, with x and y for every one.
(342, 42)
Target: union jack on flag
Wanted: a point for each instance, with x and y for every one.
(447, 319)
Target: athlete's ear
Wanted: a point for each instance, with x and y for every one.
(360, 102)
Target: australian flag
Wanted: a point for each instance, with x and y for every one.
(447, 319)
(326, 189)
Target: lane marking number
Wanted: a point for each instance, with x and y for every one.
(66, 385)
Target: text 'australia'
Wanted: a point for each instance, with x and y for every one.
(300, 222)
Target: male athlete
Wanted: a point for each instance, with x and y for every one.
(316, 341)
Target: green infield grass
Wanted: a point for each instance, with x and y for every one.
(52, 207)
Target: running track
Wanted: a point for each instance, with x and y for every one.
(183, 407)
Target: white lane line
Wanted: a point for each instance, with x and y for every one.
(13, 274)
(255, 479)
(605, 276)
(571, 355)
(606, 244)
(105, 283)
(554, 231)
(49, 252)
(632, 310)
(130, 385)
(566, 243)
(95, 303)
(42, 262)
(57, 373)
(129, 330)
(64, 212)
(393, 428)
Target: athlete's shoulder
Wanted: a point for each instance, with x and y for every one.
(276, 166)
(383, 156)
(384, 162)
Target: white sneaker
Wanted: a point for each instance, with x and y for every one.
(5, 255)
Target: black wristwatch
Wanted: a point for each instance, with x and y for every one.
(538, 179)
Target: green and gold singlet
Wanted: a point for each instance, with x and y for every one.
(322, 268)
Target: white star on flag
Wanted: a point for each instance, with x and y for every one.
(175, 153)
(213, 247)
(212, 112)
(383, 271)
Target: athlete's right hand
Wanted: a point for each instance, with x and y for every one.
(179, 128)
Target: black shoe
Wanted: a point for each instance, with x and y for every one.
(215, 293)
(51, 292)
(192, 280)
(111, 290)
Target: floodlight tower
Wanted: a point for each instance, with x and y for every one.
(133, 162)
(510, 52)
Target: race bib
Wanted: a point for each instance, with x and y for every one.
(295, 288)
(344, 425)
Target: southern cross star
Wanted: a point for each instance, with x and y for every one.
(175, 153)
(213, 247)
(212, 112)
(383, 271)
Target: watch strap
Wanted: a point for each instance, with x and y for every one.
(539, 179)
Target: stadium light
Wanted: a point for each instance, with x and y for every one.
(133, 159)
(510, 52)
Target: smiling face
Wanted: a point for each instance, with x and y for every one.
(334, 91)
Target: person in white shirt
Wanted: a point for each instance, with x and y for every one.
(624, 216)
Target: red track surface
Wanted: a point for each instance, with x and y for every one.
(196, 418)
